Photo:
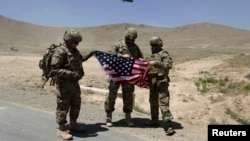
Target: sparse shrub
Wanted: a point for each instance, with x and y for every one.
(200, 79)
(222, 82)
(226, 79)
(212, 80)
(184, 100)
(204, 81)
(233, 85)
(247, 87)
(212, 121)
(198, 84)
(204, 88)
(213, 83)
(236, 117)
(203, 72)
(239, 61)
(223, 90)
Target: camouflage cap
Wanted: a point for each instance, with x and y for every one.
(72, 35)
(156, 41)
(130, 33)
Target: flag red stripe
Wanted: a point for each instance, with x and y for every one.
(138, 75)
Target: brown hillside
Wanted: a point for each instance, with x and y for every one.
(30, 38)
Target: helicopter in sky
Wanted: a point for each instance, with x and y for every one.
(127, 0)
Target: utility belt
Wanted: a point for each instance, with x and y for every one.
(65, 80)
(156, 75)
(153, 78)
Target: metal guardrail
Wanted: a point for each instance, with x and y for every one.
(97, 89)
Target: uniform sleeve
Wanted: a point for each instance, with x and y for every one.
(114, 49)
(123, 50)
(57, 64)
(87, 56)
(119, 48)
(57, 59)
(166, 61)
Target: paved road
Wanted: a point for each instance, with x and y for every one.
(26, 124)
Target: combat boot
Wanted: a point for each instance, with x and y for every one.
(109, 120)
(129, 120)
(152, 123)
(74, 126)
(168, 127)
(63, 134)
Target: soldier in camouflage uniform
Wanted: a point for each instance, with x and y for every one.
(126, 48)
(161, 63)
(67, 68)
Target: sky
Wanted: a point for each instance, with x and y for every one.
(159, 13)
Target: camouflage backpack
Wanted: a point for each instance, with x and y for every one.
(44, 64)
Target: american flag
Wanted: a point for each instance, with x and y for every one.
(124, 70)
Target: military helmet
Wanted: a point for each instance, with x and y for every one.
(130, 33)
(72, 35)
(156, 41)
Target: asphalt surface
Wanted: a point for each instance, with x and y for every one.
(19, 123)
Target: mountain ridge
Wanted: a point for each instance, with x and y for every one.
(35, 38)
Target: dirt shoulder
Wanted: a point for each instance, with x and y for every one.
(20, 83)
